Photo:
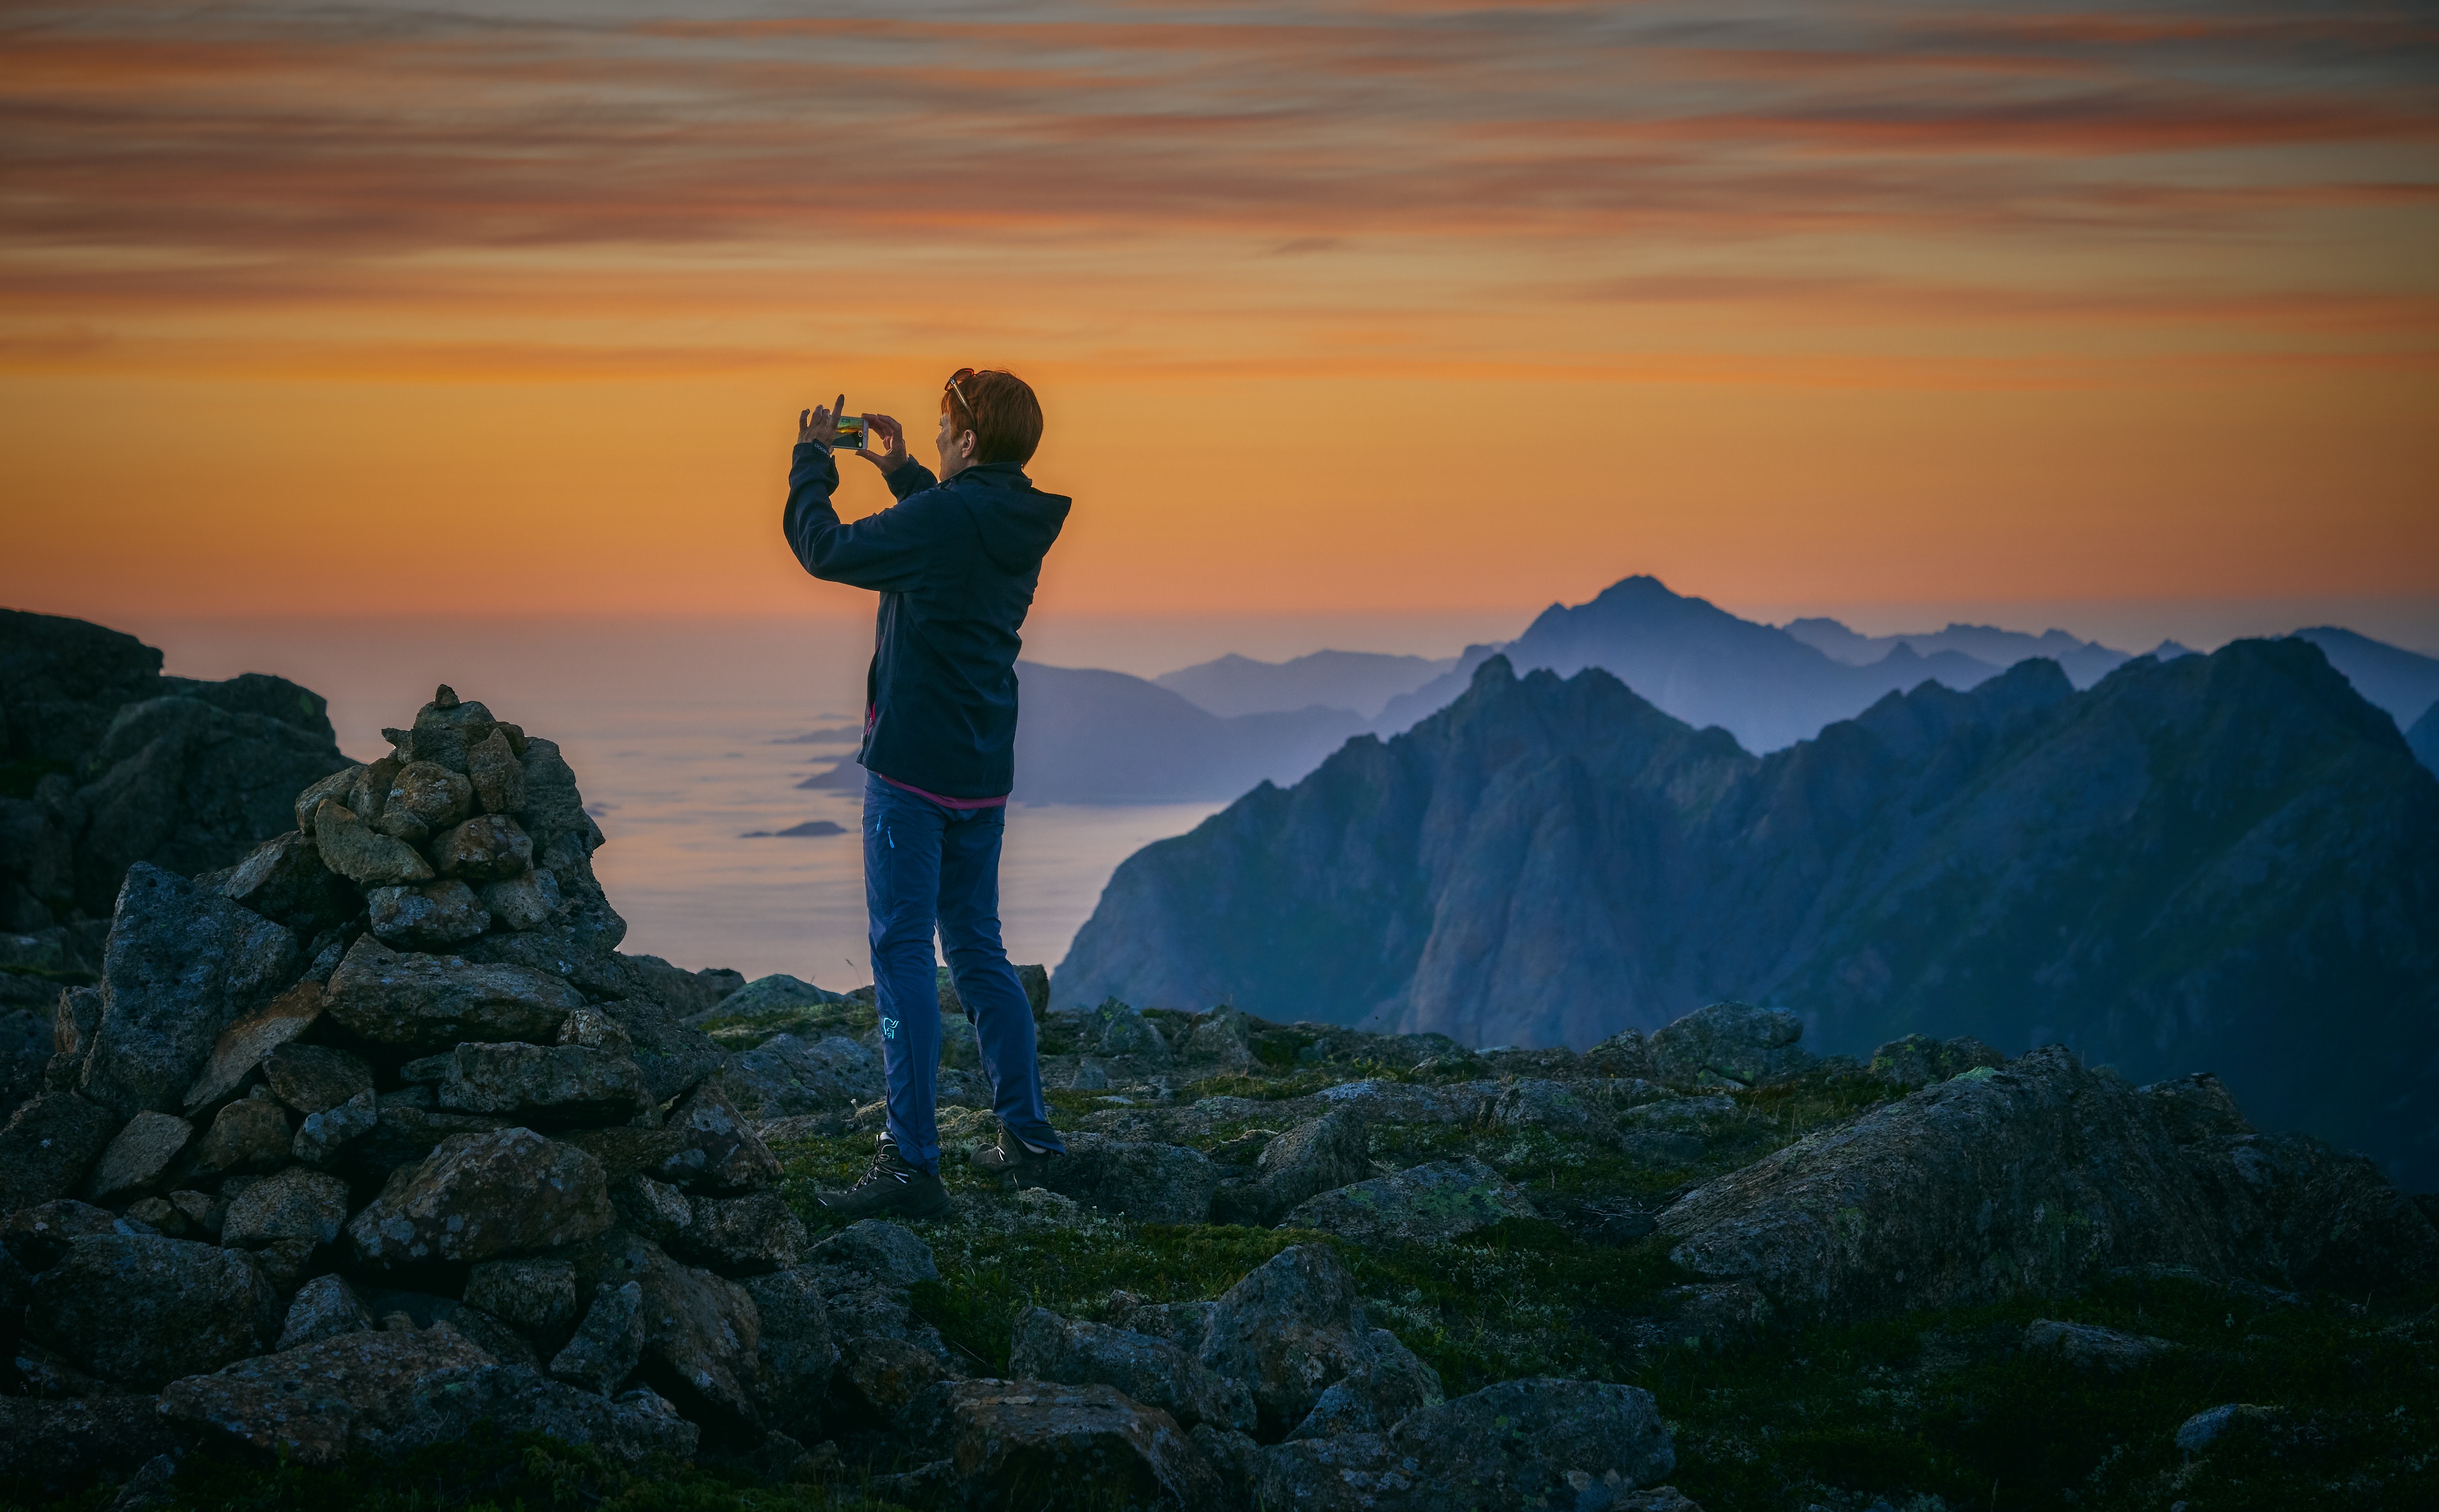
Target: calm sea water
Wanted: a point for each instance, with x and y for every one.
(675, 733)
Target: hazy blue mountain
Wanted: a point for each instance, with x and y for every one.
(1698, 662)
(2084, 662)
(2226, 863)
(2423, 739)
(1087, 736)
(2402, 682)
(1362, 680)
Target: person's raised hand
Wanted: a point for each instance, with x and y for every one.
(819, 426)
(891, 454)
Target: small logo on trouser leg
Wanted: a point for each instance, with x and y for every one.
(889, 1029)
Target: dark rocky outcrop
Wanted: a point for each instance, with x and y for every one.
(1548, 862)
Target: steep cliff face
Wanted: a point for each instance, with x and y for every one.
(2227, 863)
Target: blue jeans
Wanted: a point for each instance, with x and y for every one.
(924, 865)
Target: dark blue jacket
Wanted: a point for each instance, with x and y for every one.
(955, 564)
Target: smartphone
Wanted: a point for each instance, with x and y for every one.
(850, 432)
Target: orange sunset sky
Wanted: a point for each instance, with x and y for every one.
(1391, 306)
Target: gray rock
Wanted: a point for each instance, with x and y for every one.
(426, 918)
(785, 1076)
(1319, 1155)
(1116, 1028)
(1625, 1056)
(1729, 1042)
(424, 799)
(335, 786)
(241, 1046)
(1152, 1371)
(1150, 1183)
(796, 1356)
(1431, 1202)
(320, 1136)
(414, 999)
(1291, 1328)
(499, 777)
(766, 995)
(880, 1252)
(39, 1236)
(704, 1145)
(1531, 1102)
(535, 1295)
(404, 1132)
(251, 1135)
(735, 1236)
(1067, 1446)
(367, 792)
(284, 881)
(323, 1308)
(2198, 1108)
(2091, 1347)
(362, 854)
(609, 1342)
(1219, 1042)
(1347, 1472)
(391, 1394)
(138, 1157)
(675, 1058)
(182, 966)
(48, 1147)
(562, 1084)
(486, 848)
(295, 1204)
(481, 1196)
(2228, 1422)
(144, 1311)
(1532, 1441)
(596, 1030)
(703, 1339)
(60, 1446)
(313, 1078)
(525, 903)
(1918, 1059)
(2293, 1213)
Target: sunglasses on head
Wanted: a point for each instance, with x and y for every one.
(952, 387)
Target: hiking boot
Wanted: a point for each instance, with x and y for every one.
(1012, 1158)
(889, 1188)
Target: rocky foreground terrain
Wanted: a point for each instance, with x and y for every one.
(371, 1173)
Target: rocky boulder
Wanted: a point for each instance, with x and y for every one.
(241, 1046)
(1035, 1443)
(480, 1195)
(143, 1311)
(48, 1146)
(1319, 1155)
(1150, 1182)
(407, 999)
(786, 1077)
(1733, 1043)
(564, 1084)
(182, 966)
(1152, 1371)
(1439, 1200)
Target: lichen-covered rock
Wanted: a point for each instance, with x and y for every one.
(312, 1077)
(390, 1393)
(2292, 1212)
(138, 1156)
(534, 1294)
(785, 1076)
(404, 1132)
(1150, 1182)
(285, 881)
(250, 1135)
(362, 854)
(1918, 1059)
(796, 1356)
(1955, 1195)
(427, 917)
(565, 1084)
(1065, 1446)
(39, 1236)
(407, 999)
(323, 1308)
(735, 1236)
(1439, 1200)
(50, 1143)
(704, 1145)
(59, 1446)
(143, 1311)
(424, 799)
(524, 903)
(499, 777)
(1219, 1042)
(241, 1046)
(1728, 1043)
(2198, 1108)
(608, 1343)
(486, 848)
(295, 1204)
(1291, 1328)
(481, 1196)
(877, 1251)
(182, 966)
(674, 1059)
(1116, 1028)
(1152, 1371)
(320, 1136)
(1532, 1442)
(2090, 1346)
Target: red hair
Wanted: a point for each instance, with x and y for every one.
(999, 408)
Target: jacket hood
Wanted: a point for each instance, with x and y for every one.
(1017, 522)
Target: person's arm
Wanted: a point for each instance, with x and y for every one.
(884, 552)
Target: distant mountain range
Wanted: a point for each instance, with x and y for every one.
(1362, 681)
(1087, 736)
(2084, 662)
(2226, 863)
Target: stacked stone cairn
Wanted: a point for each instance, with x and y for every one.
(375, 1135)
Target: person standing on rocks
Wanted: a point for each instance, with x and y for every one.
(955, 561)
